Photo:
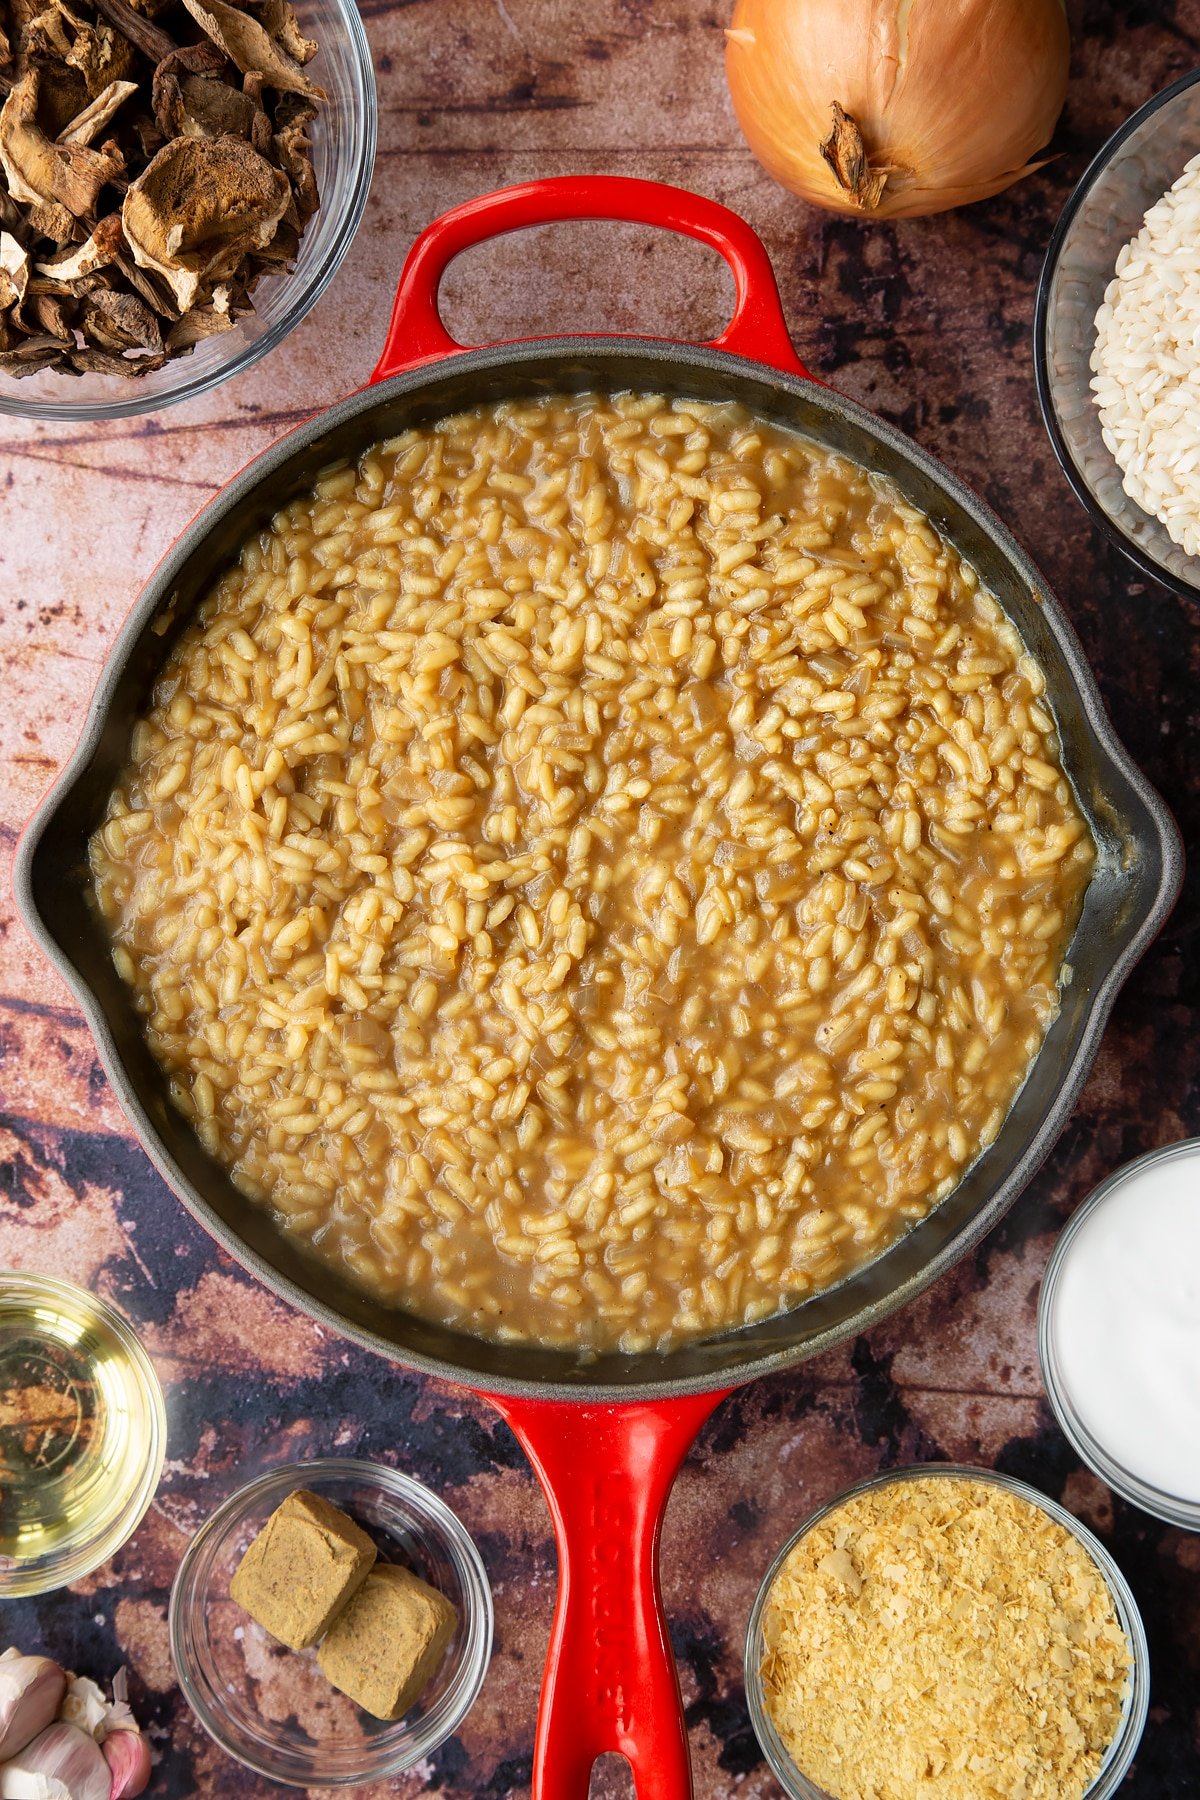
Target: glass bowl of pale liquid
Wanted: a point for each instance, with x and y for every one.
(82, 1433)
(1119, 1332)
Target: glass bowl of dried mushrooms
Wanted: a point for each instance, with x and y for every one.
(179, 182)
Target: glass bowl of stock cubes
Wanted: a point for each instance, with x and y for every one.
(275, 1708)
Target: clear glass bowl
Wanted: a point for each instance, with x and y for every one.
(271, 1708)
(1137, 165)
(343, 136)
(82, 1433)
(1174, 1508)
(1137, 1700)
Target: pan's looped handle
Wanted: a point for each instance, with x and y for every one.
(610, 1676)
(757, 329)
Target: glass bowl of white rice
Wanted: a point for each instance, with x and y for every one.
(1117, 337)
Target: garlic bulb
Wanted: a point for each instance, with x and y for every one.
(31, 1691)
(62, 1763)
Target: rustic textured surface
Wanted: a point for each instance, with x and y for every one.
(927, 321)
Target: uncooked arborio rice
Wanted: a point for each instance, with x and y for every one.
(1146, 362)
(598, 870)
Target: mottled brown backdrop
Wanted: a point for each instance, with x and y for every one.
(929, 322)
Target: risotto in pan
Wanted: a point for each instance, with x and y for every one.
(597, 870)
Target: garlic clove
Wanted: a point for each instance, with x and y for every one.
(128, 1756)
(21, 1784)
(31, 1691)
(84, 1705)
(62, 1763)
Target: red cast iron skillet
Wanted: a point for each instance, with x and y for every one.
(606, 1436)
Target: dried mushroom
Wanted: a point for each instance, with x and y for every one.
(120, 322)
(97, 53)
(14, 272)
(43, 172)
(155, 164)
(48, 311)
(251, 47)
(139, 30)
(200, 208)
(202, 322)
(87, 125)
(282, 24)
(185, 108)
(30, 354)
(49, 220)
(99, 251)
(293, 147)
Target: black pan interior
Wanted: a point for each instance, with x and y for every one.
(1135, 883)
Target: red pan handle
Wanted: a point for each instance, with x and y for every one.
(610, 1676)
(757, 329)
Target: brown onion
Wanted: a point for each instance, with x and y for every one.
(889, 108)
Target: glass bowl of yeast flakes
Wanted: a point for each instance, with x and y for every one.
(946, 1633)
